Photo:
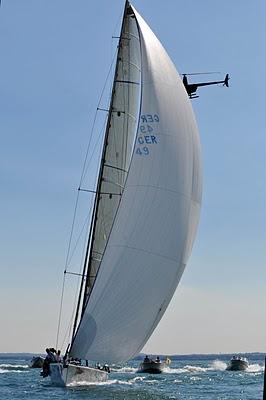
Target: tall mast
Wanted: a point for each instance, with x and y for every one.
(86, 274)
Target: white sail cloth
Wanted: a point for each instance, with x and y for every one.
(156, 222)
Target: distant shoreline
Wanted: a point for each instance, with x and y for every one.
(210, 356)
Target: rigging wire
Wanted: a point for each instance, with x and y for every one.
(83, 173)
(69, 327)
(70, 256)
(94, 120)
(80, 234)
(60, 310)
(89, 213)
(92, 153)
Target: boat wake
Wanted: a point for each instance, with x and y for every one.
(107, 383)
(216, 365)
(5, 368)
(125, 370)
(253, 368)
(186, 369)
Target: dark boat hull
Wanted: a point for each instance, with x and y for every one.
(151, 367)
(36, 362)
(237, 365)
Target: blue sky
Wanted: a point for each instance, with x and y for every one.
(55, 56)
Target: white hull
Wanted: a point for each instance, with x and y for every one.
(73, 374)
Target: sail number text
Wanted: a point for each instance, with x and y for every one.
(146, 135)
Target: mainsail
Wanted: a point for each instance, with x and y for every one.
(143, 230)
(119, 142)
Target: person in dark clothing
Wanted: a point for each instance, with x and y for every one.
(50, 358)
(146, 359)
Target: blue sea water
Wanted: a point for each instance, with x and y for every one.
(188, 378)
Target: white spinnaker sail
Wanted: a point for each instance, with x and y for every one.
(156, 221)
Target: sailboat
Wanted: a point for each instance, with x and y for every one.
(146, 208)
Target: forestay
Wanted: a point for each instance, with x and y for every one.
(154, 228)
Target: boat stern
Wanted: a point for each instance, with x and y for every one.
(76, 374)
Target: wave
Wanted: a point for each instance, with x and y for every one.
(125, 370)
(216, 365)
(3, 371)
(195, 378)
(185, 369)
(138, 379)
(5, 368)
(107, 383)
(255, 368)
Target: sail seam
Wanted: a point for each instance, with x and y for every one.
(144, 251)
(114, 167)
(120, 81)
(164, 190)
(131, 34)
(131, 63)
